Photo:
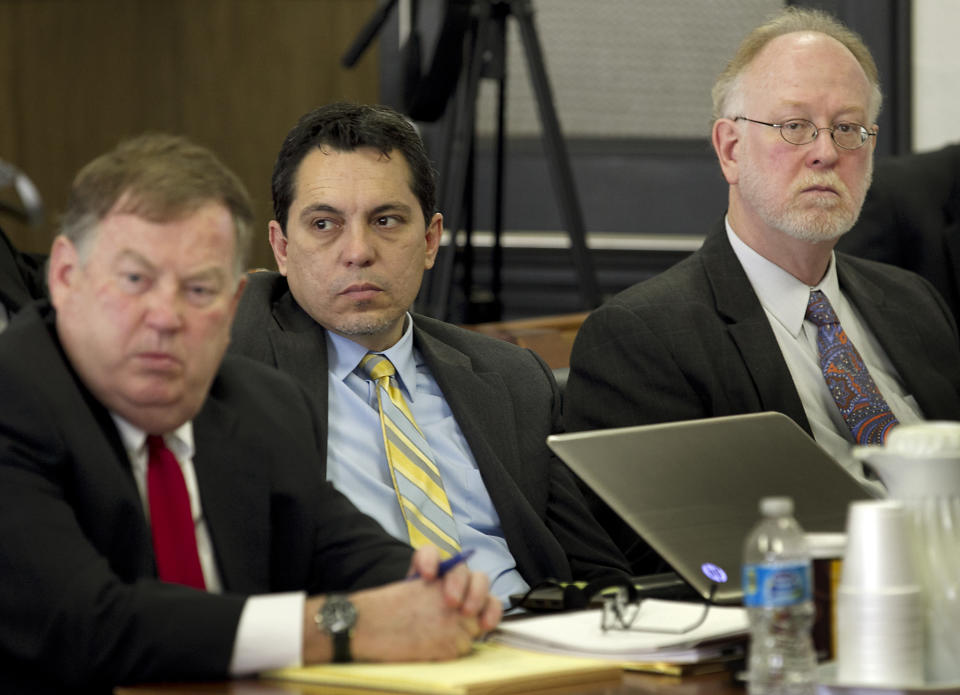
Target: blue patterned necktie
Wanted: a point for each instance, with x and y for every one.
(860, 402)
(416, 478)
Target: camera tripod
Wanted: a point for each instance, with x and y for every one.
(477, 31)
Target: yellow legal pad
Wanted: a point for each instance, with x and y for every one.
(490, 668)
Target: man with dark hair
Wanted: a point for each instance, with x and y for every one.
(346, 127)
(437, 432)
(162, 512)
(763, 316)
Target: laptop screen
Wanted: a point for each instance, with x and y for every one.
(692, 489)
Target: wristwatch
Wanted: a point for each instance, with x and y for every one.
(337, 617)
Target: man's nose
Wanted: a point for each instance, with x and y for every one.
(165, 307)
(823, 150)
(358, 247)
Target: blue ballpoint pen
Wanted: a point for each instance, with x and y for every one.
(448, 564)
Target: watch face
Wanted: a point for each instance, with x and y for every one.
(339, 615)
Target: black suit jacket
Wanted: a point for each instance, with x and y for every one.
(505, 401)
(911, 218)
(694, 342)
(21, 276)
(81, 605)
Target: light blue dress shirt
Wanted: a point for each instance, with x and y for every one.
(357, 460)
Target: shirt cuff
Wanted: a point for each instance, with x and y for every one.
(270, 634)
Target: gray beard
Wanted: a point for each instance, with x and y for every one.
(826, 223)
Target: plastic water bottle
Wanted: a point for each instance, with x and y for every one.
(777, 591)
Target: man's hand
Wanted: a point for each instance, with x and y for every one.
(424, 618)
(470, 591)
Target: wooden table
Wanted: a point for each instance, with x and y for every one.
(633, 684)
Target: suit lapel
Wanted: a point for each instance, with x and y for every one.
(300, 349)
(300, 346)
(893, 324)
(235, 498)
(749, 328)
(480, 403)
(111, 509)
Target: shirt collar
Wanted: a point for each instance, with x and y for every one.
(179, 441)
(343, 356)
(780, 293)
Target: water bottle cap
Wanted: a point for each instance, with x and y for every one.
(776, 506)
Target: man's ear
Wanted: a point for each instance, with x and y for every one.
(726, 140)
(433, 236)
(278, 242)
(61, 267)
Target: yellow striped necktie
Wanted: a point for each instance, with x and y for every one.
(416, 478)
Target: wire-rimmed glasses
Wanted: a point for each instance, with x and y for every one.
(800, 131)
(620, 613)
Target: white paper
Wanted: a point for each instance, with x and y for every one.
(580, 632)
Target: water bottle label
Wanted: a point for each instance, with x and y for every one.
(776, 585)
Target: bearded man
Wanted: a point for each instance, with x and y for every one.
(762, 317)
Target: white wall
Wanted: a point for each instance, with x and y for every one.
(936, 73)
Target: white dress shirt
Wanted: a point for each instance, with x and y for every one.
(784, 299)
(270, 632)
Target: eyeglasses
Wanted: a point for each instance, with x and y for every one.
(799, 131)
(620, 599)
(620, 611)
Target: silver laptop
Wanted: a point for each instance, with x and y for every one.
(691, 489)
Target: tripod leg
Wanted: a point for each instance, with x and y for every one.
(558, 161)
(496, 259)
(455, 179)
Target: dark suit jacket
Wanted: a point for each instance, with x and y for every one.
(506, 403)
(21, 276)
(694, 342)
(911, 218)
(80, 604)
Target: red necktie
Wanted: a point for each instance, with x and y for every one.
(174, 536)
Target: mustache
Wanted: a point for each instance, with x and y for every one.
(821, 180)
(369, 282)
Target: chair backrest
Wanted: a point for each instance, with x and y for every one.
(551, 337)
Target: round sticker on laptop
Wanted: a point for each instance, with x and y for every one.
(713, 573)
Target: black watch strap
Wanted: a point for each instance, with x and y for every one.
(337, 617)
(341, 648)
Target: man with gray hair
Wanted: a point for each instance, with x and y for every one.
(763, 316)
(162, 512)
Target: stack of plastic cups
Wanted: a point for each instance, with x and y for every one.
(880, 622)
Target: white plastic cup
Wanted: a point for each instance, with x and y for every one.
(878, 556)
(880, 610)
(880, 638)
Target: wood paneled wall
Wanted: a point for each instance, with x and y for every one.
(76, 76)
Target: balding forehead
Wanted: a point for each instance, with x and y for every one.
(806, 60)
(799, 45)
